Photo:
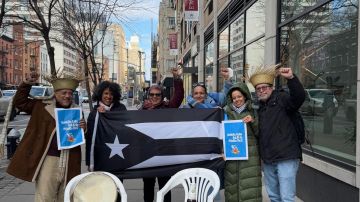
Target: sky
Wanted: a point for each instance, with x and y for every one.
(137, 21)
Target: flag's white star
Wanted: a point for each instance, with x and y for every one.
(116, 148)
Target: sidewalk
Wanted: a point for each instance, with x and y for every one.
(25, 192)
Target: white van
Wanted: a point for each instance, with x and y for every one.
(41, 92)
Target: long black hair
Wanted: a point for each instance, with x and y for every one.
(113, 87)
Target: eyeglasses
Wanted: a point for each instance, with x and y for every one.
(199, 84)
(154, 94)
(261, 88)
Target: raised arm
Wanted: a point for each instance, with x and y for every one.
(21, 99)
(297, 93)
(178, 95)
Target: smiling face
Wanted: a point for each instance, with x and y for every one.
(64, 97)
(263, 91)
(238, 98)
(155, 96)
(107, 97)
(199, 94)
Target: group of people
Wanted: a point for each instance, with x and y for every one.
(272, 138)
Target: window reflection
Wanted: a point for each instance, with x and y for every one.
(254, 54)
(224, 42)
(223, 63)
(255, 20)
(236, 63)
(210, 80)
(237, 33)
(321, 47)
(290, 8)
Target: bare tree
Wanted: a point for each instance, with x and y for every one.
(2, 11)
(39, 17)
(85, 24)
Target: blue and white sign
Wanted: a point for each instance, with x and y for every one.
(235, 140)
(68, 132)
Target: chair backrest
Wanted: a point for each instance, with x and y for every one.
(94, 186)
(207, 184)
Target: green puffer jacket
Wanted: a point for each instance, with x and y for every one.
(243, 178)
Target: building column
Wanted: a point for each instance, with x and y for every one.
(201, 52)
(270, 31)
(215, 38)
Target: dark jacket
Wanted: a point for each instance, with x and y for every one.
(30, 154)
(117, 106)
(243, 178)
(175, 100)
(278, 138)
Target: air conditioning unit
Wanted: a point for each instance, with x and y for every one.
(172, 26)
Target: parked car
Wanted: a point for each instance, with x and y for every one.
(317, 101)
(41, 92)
(4, 104)
(8, 93)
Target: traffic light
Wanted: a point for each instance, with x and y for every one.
(126, 73)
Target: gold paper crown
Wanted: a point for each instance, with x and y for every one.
(64, 81)
(262, 74)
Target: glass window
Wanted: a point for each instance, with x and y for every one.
(321, 47)
(223, 63)
(210, 80)
(237, 33)
(290, 8)
(254, 54)
(224, 42)
(209, 53)
(255, 20)
(236, 63)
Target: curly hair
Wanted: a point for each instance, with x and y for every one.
(113, 87)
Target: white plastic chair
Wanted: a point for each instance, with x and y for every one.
(204, 179)
(69, 190)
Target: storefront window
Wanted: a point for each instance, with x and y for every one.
(236, 63)
(321, 47)
(223, 63)
(210, 79)
(237, 33)
(255, 20)
(224, 42)
(254, 54)
(290, 8)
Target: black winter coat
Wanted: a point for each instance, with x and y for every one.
(90, 126)
(278, 138)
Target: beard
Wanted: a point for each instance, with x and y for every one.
(264, 97)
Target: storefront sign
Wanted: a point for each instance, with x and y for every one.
(191, 10)
(173, 44)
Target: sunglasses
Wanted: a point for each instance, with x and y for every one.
(154, 94)
(199, 84)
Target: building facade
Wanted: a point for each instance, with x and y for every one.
(319, 41)
(166, 26)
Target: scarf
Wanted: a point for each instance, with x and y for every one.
(239, 109)
(107, 108)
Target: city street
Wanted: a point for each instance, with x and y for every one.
(15, 190)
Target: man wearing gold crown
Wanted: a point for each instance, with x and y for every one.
(279, 146)
(37, 159)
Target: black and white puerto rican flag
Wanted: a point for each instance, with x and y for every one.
(149, 143)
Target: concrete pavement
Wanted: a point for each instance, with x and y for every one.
(15, 190)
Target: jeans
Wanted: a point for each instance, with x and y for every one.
(280, 180)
